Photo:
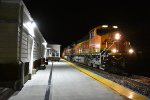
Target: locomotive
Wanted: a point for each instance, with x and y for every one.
(105, 48)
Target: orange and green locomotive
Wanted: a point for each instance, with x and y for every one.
(105, 47)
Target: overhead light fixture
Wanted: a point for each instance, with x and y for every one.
(33, 24)
(44, 43)
(30, 27)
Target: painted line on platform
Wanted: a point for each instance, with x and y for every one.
(48, 95)
(118, 88)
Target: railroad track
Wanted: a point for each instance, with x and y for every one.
(140, 84)
(141, 79)
(5, 93)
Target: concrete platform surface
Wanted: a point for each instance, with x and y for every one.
(35, 88)
(67, 84)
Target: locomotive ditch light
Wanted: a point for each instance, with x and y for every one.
(114, 50)
(131, 51)
(117, 36)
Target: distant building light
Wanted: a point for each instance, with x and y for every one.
(44, 43)
(104, 26)
(48, 48)
(115, 26)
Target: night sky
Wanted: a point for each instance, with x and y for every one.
(64, 22)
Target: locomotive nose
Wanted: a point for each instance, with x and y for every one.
(134, 62)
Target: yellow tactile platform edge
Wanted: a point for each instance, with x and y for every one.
(118, 88)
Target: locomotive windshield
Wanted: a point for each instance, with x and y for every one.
(103, 31)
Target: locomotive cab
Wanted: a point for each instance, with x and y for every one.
(115, 51)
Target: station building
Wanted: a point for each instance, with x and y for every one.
(22, 46)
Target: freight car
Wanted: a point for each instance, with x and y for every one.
(104, 48)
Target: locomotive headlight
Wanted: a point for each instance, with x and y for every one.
(117, 36)
(115, 26)
(97, 45)
(104, 26)
(131, 51)
(114, 50)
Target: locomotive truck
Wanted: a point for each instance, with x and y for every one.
(105, 48)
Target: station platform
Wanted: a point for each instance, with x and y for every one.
(65, 83)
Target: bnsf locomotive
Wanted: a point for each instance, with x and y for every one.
(104, 48)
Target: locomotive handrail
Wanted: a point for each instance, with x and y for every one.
(105, 52)
(106, 49)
